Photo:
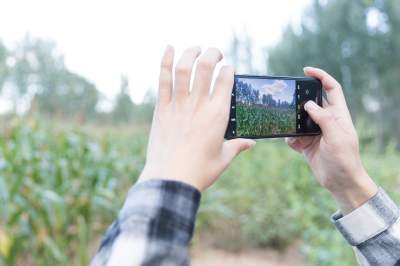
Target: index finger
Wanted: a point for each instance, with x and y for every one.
(333, 89)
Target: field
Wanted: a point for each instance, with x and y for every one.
(60, 187)
(257, 120)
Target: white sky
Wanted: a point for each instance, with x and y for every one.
(103, 39)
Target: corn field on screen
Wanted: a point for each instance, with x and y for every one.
(265, 107)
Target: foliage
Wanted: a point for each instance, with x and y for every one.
(357, 42)
(3, 64)
(268, 197)
(241, 53)
(259, 120)
(259, 114)
(37, 79)
(61, 187)
(38, 73)
(59, 190)
(125, 112)
(124, 107)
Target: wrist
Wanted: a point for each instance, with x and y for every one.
(148, 174)
(353, 196)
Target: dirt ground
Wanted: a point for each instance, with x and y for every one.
(208, 256)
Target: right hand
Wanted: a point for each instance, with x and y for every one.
(334, 156)
(186, 142)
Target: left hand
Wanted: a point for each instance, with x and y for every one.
(334, 156)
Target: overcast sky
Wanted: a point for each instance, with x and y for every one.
(103, 39)
(279, 89)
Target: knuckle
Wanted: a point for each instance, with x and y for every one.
(164, 80)
(225, 84)
(226, 74)
(327, 117)
(165, 64)
(205, 63)
(228, 69)
(183, 70)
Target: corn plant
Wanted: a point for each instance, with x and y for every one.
(59, 190)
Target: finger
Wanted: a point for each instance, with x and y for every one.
(299, 144)
(324, 102)
(332, 87)
(223, 88)
(321, 116)
(204, 72)
(294, 144)
(165, 79)
(233, 147)
(183, 72)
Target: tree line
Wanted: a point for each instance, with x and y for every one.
(358, 42)
(246, 94)
(35, 78)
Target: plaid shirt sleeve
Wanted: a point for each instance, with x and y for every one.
(154, 227)
(373, 230)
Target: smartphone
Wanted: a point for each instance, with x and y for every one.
(272, 107)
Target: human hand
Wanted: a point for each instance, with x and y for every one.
(187, 136)
(334, 156)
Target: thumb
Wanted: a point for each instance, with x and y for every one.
(320, 116)
(233, 147)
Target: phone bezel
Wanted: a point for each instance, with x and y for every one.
(228, 134)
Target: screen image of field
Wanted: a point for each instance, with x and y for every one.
(265, 107)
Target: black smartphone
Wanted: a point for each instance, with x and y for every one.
(272, 107)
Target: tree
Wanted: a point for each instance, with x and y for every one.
(67, 95)
(124, 107)
(36, 66)
(358, 43)
(144, 111)
(39, 72)
(3, 64)
(240, 53)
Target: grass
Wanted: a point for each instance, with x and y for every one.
(61, 188)
(258, 120)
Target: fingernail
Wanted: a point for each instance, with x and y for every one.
(310, 105)
(306, 68)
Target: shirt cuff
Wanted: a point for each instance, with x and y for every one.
(370, 219)
(168, 204)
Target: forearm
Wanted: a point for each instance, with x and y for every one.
(356, 193)
(154, 227)
(373, 229)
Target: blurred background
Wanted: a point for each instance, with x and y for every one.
(78, 81)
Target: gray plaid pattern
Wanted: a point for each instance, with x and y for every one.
(374, 230)
(154, 227)
(156, 224)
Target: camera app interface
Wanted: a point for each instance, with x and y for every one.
(265, 107)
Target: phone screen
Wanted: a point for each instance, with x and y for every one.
(265, 107)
